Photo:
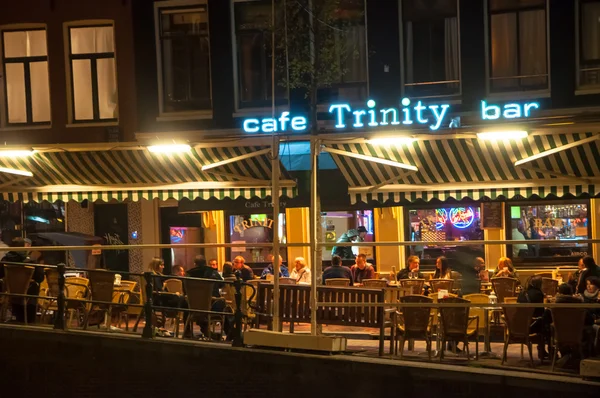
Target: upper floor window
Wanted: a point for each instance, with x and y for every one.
(253, 35)
(518, 45)
(431, 48)
(26, 82)
(93, 73)
(589, 44)
(350, 40)
(183, 56)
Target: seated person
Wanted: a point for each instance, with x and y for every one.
(213, 263)
(161, 298)
(471, 281)
(246, 272)
(228, 270)
(336, 270)
(442, 269)
(565, 295)
(541, 324)
(301, 273)
(505, 269)
(574, 277)
(177, 270)
(283, 270)
(362, 270)
(412, 265)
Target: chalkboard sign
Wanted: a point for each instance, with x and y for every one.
(491, 215)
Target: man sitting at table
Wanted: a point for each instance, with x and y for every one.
(283, 270)
(412, 265)
(362, 270)
(246, 272)
(336, 270)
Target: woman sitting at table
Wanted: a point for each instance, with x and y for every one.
(505, 269)
(301, 273)
(160, 297)
(442, 269)
(533, 294)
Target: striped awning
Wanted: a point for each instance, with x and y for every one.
(138, 174)
(460, 168)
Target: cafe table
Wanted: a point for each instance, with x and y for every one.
(487, 345)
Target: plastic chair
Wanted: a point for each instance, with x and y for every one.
(337, 282)
(414, 323)
(374, 283)
(567, 329)
(415, 284)
(455, 325)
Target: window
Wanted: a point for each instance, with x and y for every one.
(254, 55)
(184, 57)
(431, 48)
(25, 65)
(518, 45)
(255, 228)
(589, 44)
(459, 223)
(563, 223)
(93, 73)
(337, 223)
(351, 41)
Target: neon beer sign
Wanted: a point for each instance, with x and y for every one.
(409, 113)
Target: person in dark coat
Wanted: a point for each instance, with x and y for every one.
(541, 324)
(412, 265)
(336, 270)
(244, 271)
(352, 235)
(591, 269)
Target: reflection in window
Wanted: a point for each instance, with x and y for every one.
(564, 224)
(518, 46)
(458, 223)
(255, 228)
(351, 42)
(93, 73)
(25, 60)
(589, 43)
(431, 44)
(337, 223)
(185, 51)
(254, 50)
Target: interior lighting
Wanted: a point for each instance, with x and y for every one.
(17, 172)
(170, 148)
(391, 141)
(502, 135)
(15, 153)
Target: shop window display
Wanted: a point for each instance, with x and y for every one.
(255, 228)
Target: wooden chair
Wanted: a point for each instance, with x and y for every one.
(173, 286)
(374, 283)
(337, 282)
(287, 281)
(413, 323)
(441, 284)
(456, 324)
(567, 330)
(504, 287)
(516, 330)
(102, 289)
(199, 296)
(415, 284)
(17, 279)
(549, 287)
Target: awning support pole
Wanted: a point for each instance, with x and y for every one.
(314, 168)
(275, 199)
(236, 159)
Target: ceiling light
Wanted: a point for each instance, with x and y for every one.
(391, 141)
(502, 135)
(17, 172)
(15, 153)
(170, 148)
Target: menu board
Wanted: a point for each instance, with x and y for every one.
(491, 215)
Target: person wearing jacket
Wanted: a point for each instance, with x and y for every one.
(352, 235)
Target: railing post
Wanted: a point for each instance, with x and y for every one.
(238, 340)
(148, 332)
(59, 317)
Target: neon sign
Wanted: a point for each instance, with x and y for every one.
(409, 113)
(441, 216)
(462, 217)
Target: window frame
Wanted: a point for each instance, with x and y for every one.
(579, 89)
(240, 110)
(541, 93)
(159, 6)
(93, 57)
(453, 97)
(4, 122)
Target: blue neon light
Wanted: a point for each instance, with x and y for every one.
(273, 125)
(509, 111)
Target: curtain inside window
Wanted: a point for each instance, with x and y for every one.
(532, 29)
(503, 40)
(590, 31)
(451, 49)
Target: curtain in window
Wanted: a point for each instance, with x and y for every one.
(590, 31)
(451, 49)
(503, 40)
(532, 29)
(355, 63)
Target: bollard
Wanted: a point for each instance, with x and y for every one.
(148, 332)
(238, 340)
(59, 316)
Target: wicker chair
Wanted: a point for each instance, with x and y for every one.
(337, 282)
(516, 330)
(549, 287)
(17, 279)
(102, 289)
(200, 298)
(456, 325)
(414, 323)
(567, 329)
(77, 291)
(441, 284)
(504, 287)
(415, 284)
(477, 298)
(374, 283)
(173, 286)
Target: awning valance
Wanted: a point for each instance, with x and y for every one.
(134, 174)
(462, 168)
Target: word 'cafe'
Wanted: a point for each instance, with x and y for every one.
(434, 116)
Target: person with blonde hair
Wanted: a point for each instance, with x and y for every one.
(246, 272)
(505, 268)
(301, 272)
